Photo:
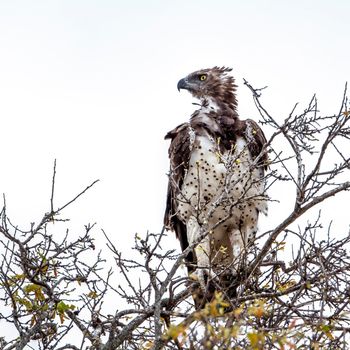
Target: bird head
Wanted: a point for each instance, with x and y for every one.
(211, 84)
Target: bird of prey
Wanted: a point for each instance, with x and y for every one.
(216, 186)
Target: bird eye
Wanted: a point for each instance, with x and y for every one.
(202, 77)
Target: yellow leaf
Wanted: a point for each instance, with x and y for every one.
(326, 329)
(37, 290)
(284, 286)
(329, 335)
(223, 249)
(174, 331)
(92, 295)
(210, 328)
(237, 312)
(227, 333)
(253, 338)
(44, 269)
(61, 316)
(28, 305)
(235, 330)
(257, 340)
(148, 345)
(20, 276)
(258, 309)
(39, 295)
(217, 306)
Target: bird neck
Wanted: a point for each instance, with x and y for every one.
(217, 105)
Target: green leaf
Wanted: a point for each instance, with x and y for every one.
(62, 307)
(37, 290)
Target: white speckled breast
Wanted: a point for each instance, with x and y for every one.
(218, 185)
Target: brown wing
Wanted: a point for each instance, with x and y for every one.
(179, 154)
(256, 139)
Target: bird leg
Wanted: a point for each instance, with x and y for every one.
(237, 244)
(202, 251)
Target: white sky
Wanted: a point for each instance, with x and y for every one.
(93, 84)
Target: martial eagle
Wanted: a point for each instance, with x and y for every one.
(216, 187)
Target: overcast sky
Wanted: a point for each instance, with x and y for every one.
(93, 84)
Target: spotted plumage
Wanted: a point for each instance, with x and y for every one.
(217, 164)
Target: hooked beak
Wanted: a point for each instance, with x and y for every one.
(182, 84)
